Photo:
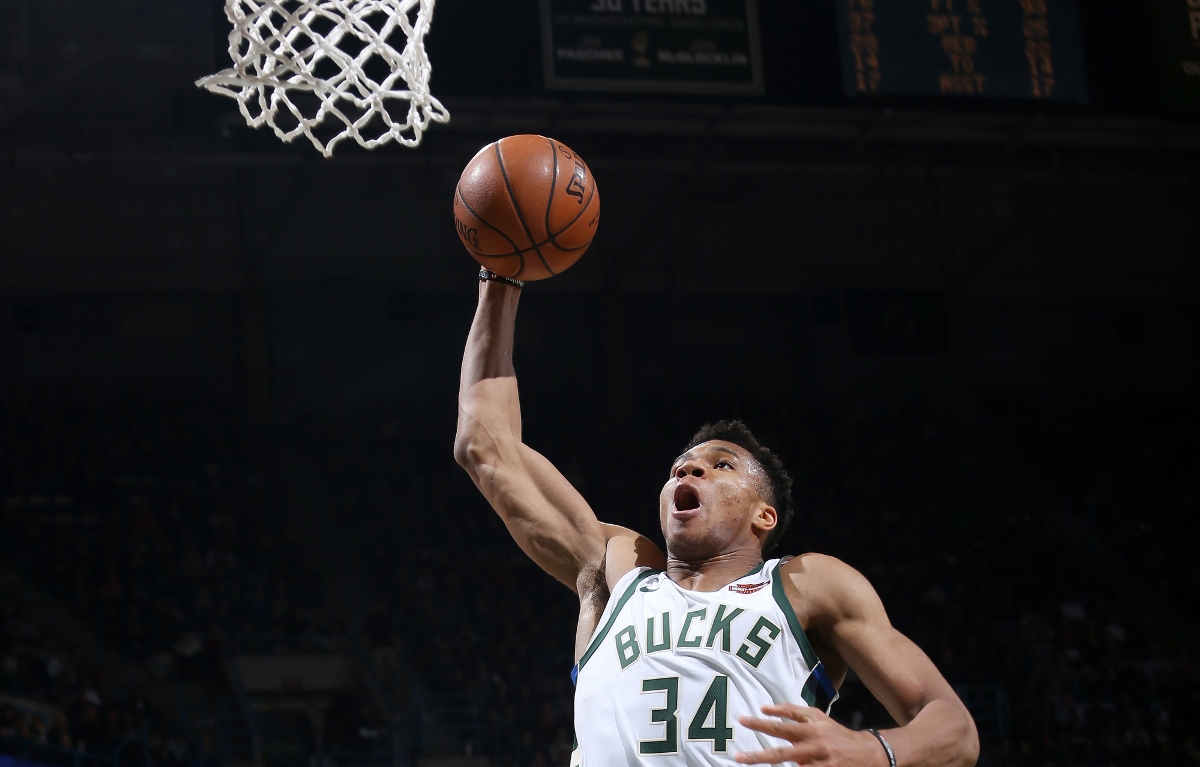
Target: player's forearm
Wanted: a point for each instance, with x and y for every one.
(941, 735)
(489, 411)
(490, 342)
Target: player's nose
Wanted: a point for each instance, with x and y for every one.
(692, 468)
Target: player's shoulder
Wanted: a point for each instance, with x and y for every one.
(626, 550)
(813, 564)
(616, 535)
(821, 577)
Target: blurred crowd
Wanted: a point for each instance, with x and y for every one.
(150, 524)
(153, 520)
(1036, 552)
(57, 706)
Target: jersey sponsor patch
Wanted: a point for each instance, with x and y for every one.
(747, 588)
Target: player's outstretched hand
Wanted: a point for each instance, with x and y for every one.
(816, 739)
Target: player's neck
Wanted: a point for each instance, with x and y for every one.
(712, 573)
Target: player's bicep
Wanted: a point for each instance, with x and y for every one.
(896, 671)
(544, 513)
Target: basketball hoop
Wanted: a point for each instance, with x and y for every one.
(327, 69)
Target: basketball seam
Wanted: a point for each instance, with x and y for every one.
(530, 249)
(553, 187)
(517, 208)
(516, 248)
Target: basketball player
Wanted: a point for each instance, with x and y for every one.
(709, 655)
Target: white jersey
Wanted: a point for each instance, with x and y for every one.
(668, 671)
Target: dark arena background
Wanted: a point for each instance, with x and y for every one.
(942, 255)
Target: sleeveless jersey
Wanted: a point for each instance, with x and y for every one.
(668, 671)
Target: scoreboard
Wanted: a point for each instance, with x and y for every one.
(665, 46)
(1004, 49)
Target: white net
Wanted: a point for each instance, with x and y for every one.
(331, 69)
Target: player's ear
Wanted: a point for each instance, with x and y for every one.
(765, 518)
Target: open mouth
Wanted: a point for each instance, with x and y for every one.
(686, 498)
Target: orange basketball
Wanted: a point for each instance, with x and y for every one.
(526, 207)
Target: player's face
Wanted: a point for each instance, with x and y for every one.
(711, 503)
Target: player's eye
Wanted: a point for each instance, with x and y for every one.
(723, 464)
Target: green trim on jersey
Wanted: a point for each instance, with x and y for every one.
(612, 618)
(785, 604)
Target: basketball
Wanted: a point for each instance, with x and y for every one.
(526, 207)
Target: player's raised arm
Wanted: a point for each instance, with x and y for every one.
(546, 516)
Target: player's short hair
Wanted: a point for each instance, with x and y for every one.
(778, 492)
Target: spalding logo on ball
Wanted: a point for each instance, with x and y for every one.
(526, 207)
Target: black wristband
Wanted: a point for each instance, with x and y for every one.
(886, 746)
(485, 275)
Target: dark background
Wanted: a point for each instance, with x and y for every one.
(230, 365)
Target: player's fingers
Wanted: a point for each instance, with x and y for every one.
(774, 755)
(780, 728)
(792, 711)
